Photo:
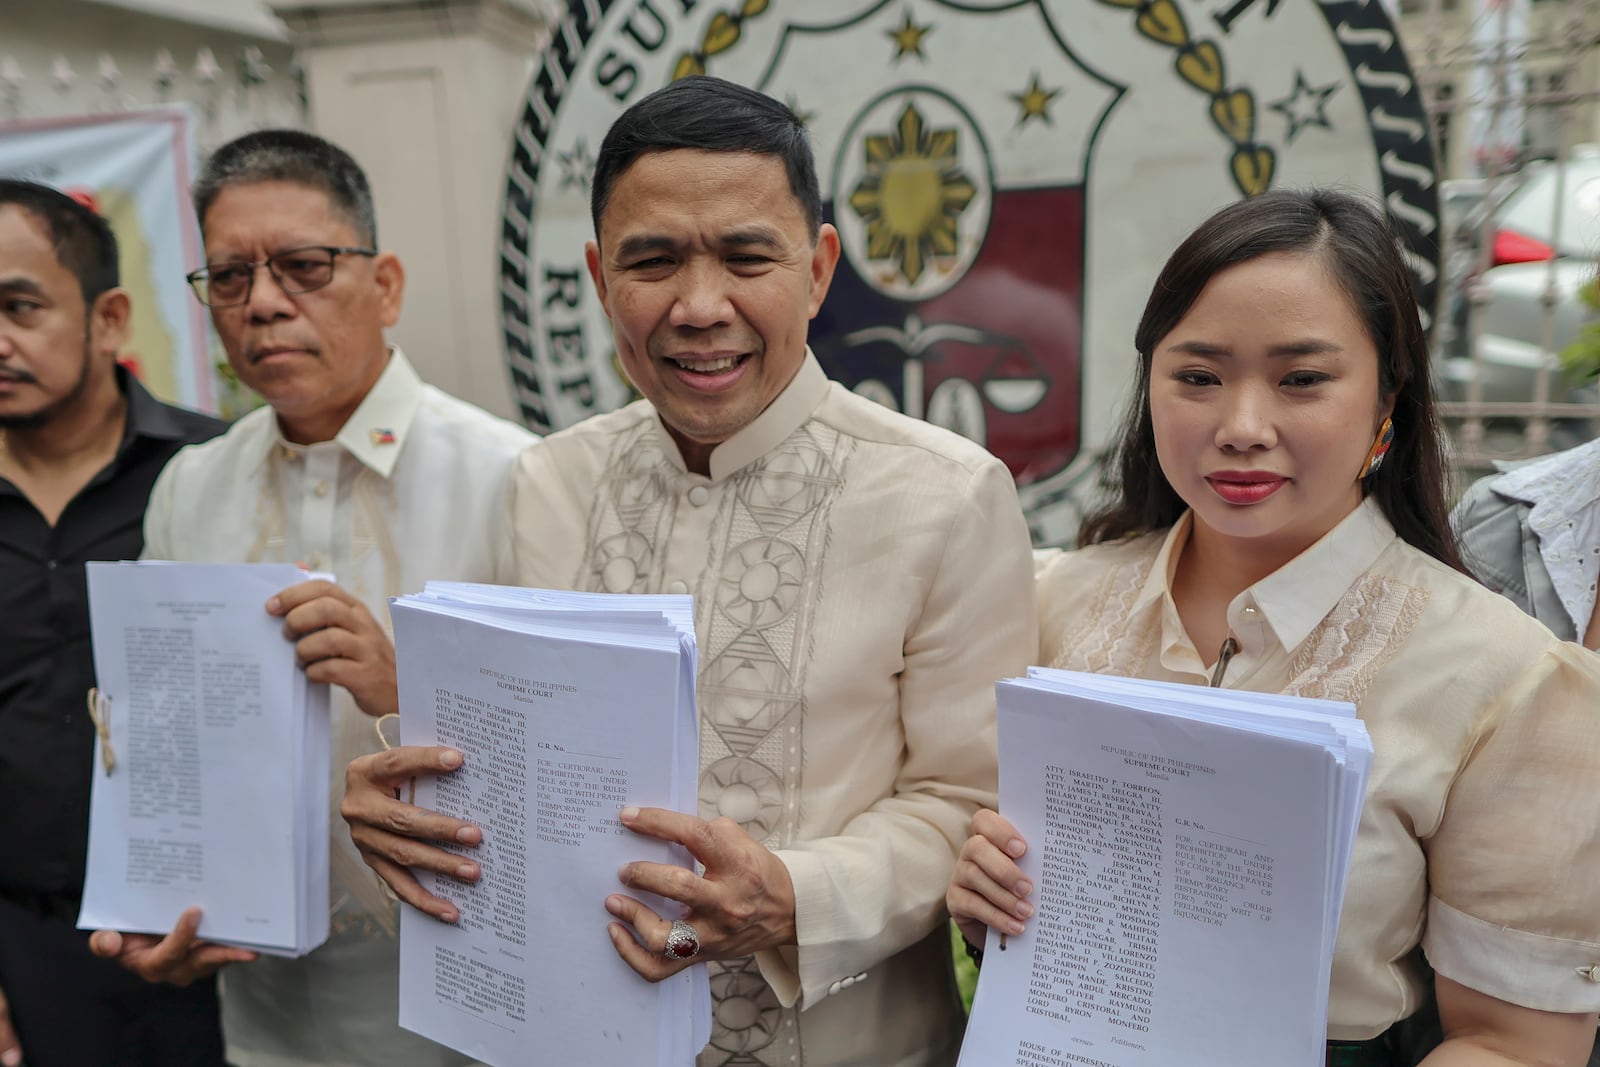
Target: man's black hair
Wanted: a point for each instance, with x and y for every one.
(711, 115)
(83, 241)
(290, 156)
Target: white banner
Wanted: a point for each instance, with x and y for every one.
(136, 166)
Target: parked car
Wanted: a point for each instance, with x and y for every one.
(1532, 252)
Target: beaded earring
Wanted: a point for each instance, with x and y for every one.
(1380, 448)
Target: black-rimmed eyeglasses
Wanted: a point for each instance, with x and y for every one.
(296, 270)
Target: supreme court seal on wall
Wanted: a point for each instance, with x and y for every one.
(1006, 177)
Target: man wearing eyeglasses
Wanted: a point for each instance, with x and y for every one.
(357, 468)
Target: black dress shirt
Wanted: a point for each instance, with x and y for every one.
(46, 665)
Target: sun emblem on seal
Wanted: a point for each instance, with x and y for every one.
(912, 194)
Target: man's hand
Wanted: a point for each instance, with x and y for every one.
(339, 642)
(10, 1047)
(743, 904)
(390, 832)
(177, 959)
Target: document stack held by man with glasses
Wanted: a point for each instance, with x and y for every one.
(357, 468)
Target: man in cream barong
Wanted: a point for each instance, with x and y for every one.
(355, 467)
(861, 579)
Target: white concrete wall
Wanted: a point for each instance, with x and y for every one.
(35, 33)
(425, 96)
(250, 17)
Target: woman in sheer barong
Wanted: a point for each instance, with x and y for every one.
(1280, 526)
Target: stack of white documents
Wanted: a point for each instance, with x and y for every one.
(566, 708)
(1188, 849)
(211, 768)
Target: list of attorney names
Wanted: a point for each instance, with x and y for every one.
(489, 789)
(1099, 901)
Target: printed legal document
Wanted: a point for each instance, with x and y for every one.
(211, 766)
(1189, 849)
(566, 708)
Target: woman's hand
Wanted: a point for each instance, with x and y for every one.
(1483, 1031)
(987, 887)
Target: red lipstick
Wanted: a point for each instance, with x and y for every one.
(1243, 488)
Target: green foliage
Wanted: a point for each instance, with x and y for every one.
(234, 398)
(966, 970)
(1581, 359)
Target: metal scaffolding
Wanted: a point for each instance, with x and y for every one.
(1531, 70)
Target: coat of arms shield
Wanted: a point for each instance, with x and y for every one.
(1007, 177)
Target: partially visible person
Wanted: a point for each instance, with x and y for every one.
(81, 444)
(1280, 526)
(1532, 533)
(355, 467)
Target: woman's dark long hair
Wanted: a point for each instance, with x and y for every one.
(1354, 239)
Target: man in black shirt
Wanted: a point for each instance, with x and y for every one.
(81, 443)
